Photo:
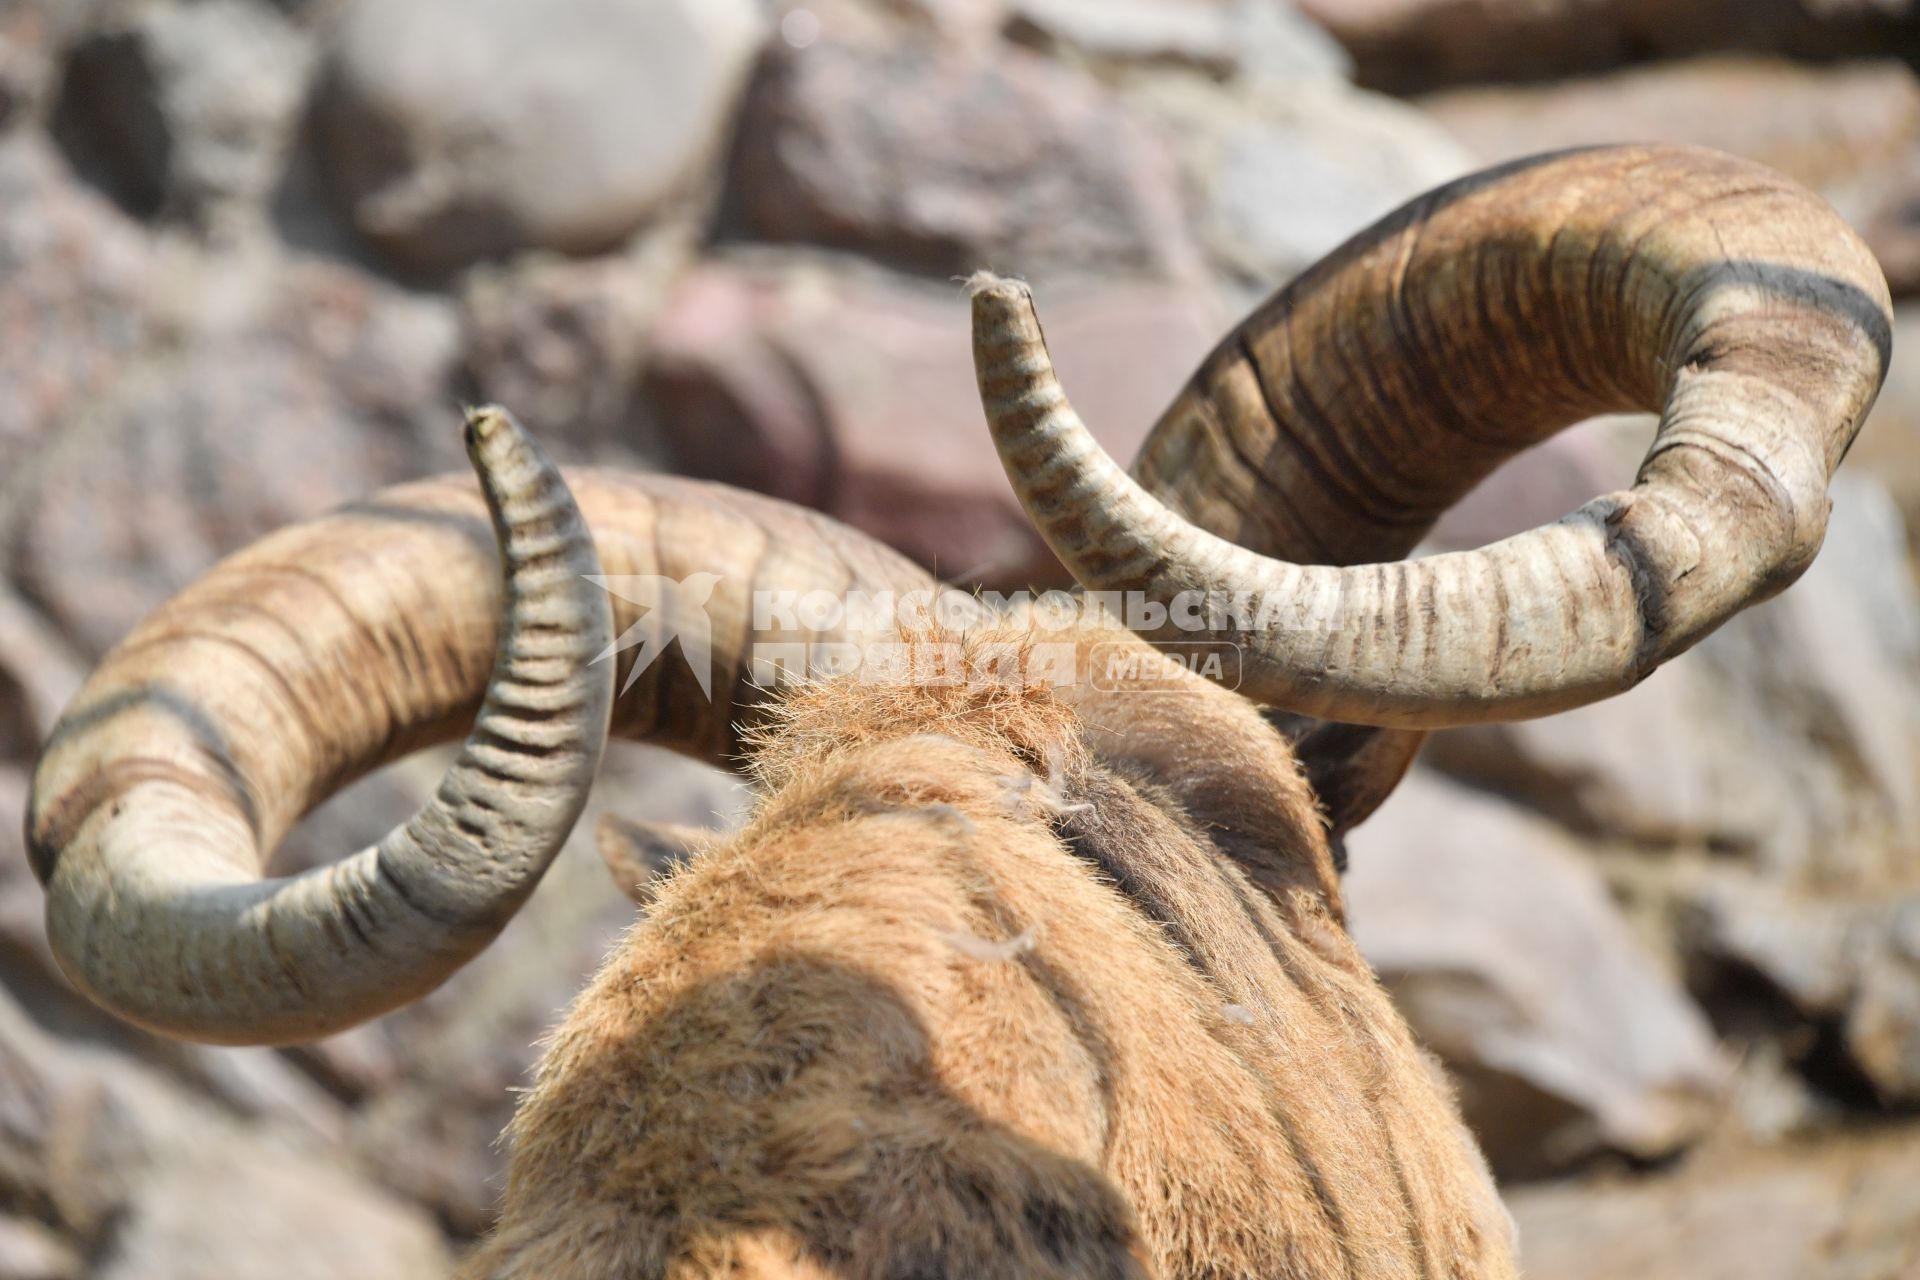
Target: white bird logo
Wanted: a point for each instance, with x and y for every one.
(670, 610)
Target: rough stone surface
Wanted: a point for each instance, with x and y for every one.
(1888, 447)
(25, 954)
(152, 1181)
(26, 59)
(1784, 751)
(244, 1212)
(38, 674)
(457, 130)
(186, 110)
(1850, 962)
(1791, 736)
(856, 397)
(562, 342)
(1414, 44)
(1285, 176)
(30, 1251)
(1500, 944)
(943, 160)
(1851, 132)
(1264, 39)
(328, 389)
(76, 281)
(960, 21)
(1847, 1210)
(1821, 125)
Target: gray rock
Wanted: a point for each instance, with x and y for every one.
(1791, 736)
(312, 387)
(460, 130)
(30, 1251)
(186, 111)
(1823, 125)
(1499, 942)
(26, 59)
(1851, 132)
(1256, 38)
(153, 1181)
(240, 1211)
(1408, 45)
(38, 674)
(856, 396)
(76, 279)
(943, 160)
(975, 22)
(1847, 1209)
(1762, 792)
(25, 953)
(1289, 172)
(562, 342)
(1888, 447)
(1851, 962)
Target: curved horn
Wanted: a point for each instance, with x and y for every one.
(1401, 371)
(333, 647)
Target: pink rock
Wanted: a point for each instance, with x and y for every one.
(945, 159)
(856, 396)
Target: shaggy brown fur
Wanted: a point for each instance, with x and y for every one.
(990, 988)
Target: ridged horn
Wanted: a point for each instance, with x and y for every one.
(331, 648)
(1401, 371)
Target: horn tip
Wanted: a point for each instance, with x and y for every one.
(986, 283)
(1004, 317)
(484, 423)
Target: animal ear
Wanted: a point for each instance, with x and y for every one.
(636, 853)
(1352, 768)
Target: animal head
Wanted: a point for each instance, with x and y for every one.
(1305, 459)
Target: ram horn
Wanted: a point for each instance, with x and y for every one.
(1472, 323)
(334, 647)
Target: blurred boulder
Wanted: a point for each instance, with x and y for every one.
(1288, 173)
(1785, 749)
(184, 110)
(975, 22)
(1888, 447)
(1500, 944)
(25, 954)
(1847, 962)
(561, 341)
(460, 130)
(76, 279)
(1409, 45)
(26, 62)
(855, 396)
(1823, 125)
(1847, 1209)
(1887, 214)
(149, 1181)
(242, 1211)
(322, 386)
(38, 674)
(30, 1251)
(1223, 38)
(1791, 736)
(943, 160)
(1851, 132)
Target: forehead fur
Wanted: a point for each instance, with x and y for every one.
(822, 717)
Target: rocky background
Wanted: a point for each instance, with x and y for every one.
(254, 252)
